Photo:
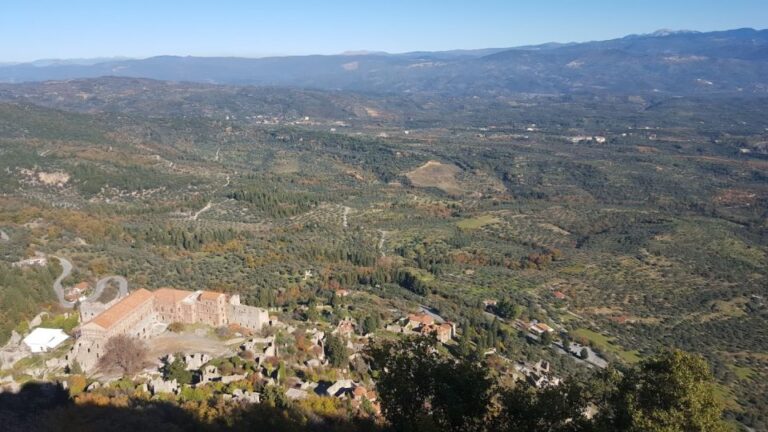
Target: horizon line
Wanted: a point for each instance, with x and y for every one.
(350, 52)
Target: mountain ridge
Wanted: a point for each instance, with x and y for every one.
(670, 62)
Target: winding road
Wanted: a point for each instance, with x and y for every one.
(101, 284)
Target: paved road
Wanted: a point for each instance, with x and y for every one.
(101, 284)
(66, 269)
(122, 284)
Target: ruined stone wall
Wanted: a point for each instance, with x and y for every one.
(250, 317)
(212, 312)
(86, 353)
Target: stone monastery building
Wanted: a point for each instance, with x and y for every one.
(138, 314)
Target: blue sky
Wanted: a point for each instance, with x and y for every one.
(35, 29)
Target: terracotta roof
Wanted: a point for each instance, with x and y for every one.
(421, 318)
(360, 391)
(82, 285)
(170, 295)
(432, 328)
(122, 309)
(210, 295)
(559, 295)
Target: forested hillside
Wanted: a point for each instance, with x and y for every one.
(629, 224)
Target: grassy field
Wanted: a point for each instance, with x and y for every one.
(743, 372)
(438, 175)
(477, 222)
(606, 344)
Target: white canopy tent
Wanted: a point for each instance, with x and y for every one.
(44, 339)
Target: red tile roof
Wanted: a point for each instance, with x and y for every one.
(421, 318)
(122, 309)
(210, 295)
(171, 295)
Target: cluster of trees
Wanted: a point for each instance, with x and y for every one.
(437, 256)
(370, 324)
(176, 369)
(422, 389)
(21, 293)
(373, 154)
(189, 238)
(336, 350)
(476, 338)
(507, 309)
(540, 260)
(91, 179)
(274, 202)
(427, 255)
(412, 281)
(356, 254)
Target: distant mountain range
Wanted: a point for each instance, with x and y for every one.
(664, 62)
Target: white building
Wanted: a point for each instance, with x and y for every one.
(44, 339)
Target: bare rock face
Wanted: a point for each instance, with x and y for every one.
(13, 351)
(14, 340)
(37, 320)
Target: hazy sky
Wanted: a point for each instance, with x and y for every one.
(35, 29)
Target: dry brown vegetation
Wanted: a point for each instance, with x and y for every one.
(438, 175)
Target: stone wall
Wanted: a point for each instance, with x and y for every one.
(86, 353)
(250, 317)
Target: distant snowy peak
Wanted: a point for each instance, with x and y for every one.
(669, 32)
(661, 33)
